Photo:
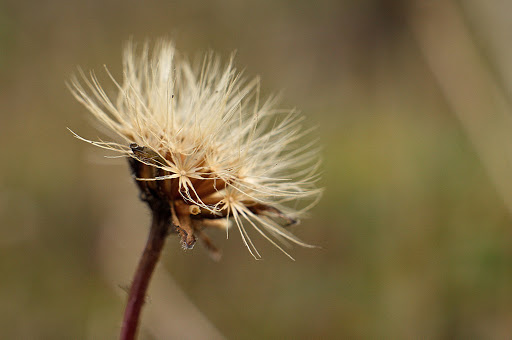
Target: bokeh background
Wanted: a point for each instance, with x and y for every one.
(413, 107)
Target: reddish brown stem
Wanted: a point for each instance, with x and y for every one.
(145, 268)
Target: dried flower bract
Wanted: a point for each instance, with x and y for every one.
(202, 140)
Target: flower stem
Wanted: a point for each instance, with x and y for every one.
(159, 230)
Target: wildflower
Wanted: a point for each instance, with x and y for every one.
(201, 142)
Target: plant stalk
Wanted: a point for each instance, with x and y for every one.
(158, 233)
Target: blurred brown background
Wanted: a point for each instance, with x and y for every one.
(412, 100)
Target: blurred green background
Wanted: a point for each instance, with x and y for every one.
(412, 103)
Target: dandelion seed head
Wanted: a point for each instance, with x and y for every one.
(207, 143)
